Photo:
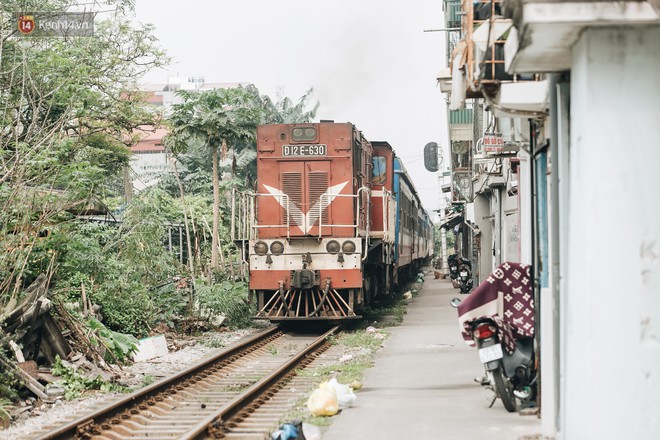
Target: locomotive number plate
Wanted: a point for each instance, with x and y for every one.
(305, 150)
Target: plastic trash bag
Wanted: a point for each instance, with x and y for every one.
(311, 432)
(323, 401)
(345, 395)
(294, 430)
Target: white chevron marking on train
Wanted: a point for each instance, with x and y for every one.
(305, 221)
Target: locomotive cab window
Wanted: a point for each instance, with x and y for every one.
(379, 173)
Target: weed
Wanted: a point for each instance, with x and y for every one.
(75, 384)
(212, 342)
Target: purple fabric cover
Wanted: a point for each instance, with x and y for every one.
(506, 296)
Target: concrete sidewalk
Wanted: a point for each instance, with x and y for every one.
(422, 385)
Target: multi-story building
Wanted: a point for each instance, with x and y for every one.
(489, 144)
(572, 86)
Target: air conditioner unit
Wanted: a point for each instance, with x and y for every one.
(496, 181)
(446, 188)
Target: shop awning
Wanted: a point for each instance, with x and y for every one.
(451, 220)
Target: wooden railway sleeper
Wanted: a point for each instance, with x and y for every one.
(87, 430)
(217, 430)
(217, 426)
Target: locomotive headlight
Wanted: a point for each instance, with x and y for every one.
(277, 248)
(303, 134)
(261, 248)
(332, 246)
(348, 247)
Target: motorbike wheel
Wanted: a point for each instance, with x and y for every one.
(504, 389)
(464, 288)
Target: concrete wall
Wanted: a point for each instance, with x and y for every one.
(482, 212)
(510, 220)
(611, 328)
(525, 204)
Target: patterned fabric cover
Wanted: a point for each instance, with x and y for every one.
(506, 296)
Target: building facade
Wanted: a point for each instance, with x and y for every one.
(576, 83)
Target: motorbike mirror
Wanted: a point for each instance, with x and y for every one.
(454, 302)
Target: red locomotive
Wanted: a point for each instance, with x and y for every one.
(335, 221)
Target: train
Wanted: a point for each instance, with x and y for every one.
(334, 221)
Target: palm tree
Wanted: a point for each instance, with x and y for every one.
(284, 111)
(211, 120)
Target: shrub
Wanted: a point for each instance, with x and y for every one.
(228, 299)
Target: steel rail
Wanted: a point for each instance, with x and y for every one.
(88, 425)
(214, 424)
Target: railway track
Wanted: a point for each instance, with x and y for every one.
(240, 393)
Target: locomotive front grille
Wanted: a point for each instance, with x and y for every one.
(317, 185)
(292, 185)
(312, 304)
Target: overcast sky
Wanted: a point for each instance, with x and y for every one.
(369, 61)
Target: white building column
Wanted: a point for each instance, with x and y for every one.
(611, 328)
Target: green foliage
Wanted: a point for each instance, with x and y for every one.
(205, 119)
(361, 339)
(117, 265)
(121, 346)
(68, 114)
(228, 299)
(76, 384)
(141, 242)
(171, 303)
(451, 239)
(284, 111)
(126, 306)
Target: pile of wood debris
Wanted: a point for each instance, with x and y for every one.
(36, 331)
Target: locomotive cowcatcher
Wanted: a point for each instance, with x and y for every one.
(321, 232)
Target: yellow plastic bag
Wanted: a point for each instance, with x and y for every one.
(323, 401)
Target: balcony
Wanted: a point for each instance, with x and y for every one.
(478, 58)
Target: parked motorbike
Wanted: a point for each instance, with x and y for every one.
(460, 271)
(453, 261)
(465, 275)
(505, 343)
